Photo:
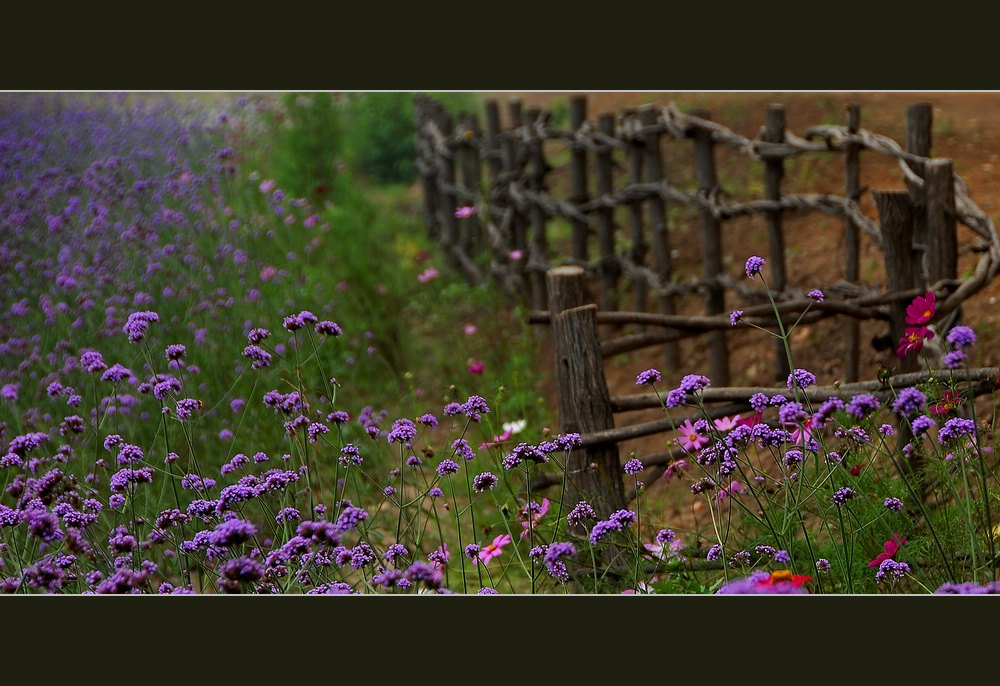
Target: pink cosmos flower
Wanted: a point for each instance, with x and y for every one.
(642, 587)
(727, 423)
(674, 469)
(428, 274)
(536, 516)
(438, 564)
(509, 429)
(463, 212)
(733, 488)
(493, 549)
(689, 438)
(801, 434)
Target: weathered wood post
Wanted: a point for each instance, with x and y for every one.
(426, 165)
(852, 257)
(895, 213)
(658, 235)
(609, 267)
(494, 160)
(711, 248)
(942, 247)
(639, 247)
(539, 241)
(578, 177)
(919, 118)
(472, 179)
(513, 163)
(774, 170)
(594, 473)
(446, 186)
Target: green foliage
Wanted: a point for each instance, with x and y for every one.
(308, 144)
(380, 131)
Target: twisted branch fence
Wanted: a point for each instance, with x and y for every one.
(508, 239)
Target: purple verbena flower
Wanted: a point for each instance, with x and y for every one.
(647, 377)
(961, 337)
(754, 265)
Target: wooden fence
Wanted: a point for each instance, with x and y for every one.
(507, 239)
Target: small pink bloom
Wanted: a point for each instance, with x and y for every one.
(727, 423)
(443, 552)
(267, 185)
(515, 255)
(476, 368)
(734, 488)
(497, 440)
(689, 438)
(469, 329)
(493, 549)
(801, 434)
(428, 274)
(674, 469)
(536, 516)
(268, 273)
(463, 212)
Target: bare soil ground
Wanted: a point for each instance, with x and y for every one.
(966, 129)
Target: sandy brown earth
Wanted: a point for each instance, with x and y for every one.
(966, 129)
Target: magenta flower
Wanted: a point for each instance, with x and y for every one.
(913, 341)
(464, 212)
(492, 550)
(892, 546)
(427, 275)
(921, 310)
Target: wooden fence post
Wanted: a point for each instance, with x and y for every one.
(919, 118)
(711, 249)
(942, 248)
(638, 252)
(594, 473)
(472, 179)
(539, 241)
(608, 265)
(427, 164)
(851, 235)
(446, 186)
(774, 170)
(513, 168)
(895, 213)
(659, 236)
(494, 160)
(578, 178)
